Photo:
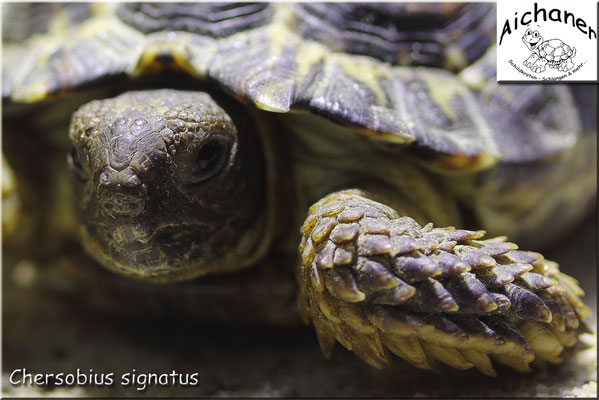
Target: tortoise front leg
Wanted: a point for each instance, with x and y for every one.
(530, 61)
(566, 65)
(379, 284)
(539, 65)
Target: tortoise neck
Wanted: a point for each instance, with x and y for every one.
(280, 199)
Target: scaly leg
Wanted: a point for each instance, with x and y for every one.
(566, 65)
(379, 284)
(539, 65)
(529, 62)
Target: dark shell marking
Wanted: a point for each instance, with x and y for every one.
(400, 33)
(448, 297)
(213, 20)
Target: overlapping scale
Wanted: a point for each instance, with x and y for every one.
(399, 285)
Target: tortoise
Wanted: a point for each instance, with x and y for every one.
(211, 138)
(553, 53)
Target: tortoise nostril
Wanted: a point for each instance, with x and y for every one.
(133, 181)
(105, 178)
(110, 178)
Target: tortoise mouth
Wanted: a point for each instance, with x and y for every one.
(169, 252)
(531, 42)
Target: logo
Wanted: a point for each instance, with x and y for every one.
(548, 41)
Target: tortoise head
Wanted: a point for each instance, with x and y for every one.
(167, 187)
(532, 39)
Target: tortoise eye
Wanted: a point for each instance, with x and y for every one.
(75, 164)
(209, 160)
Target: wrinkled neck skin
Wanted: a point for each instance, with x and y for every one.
(170, 186)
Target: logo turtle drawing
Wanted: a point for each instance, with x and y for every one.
(552, 53)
